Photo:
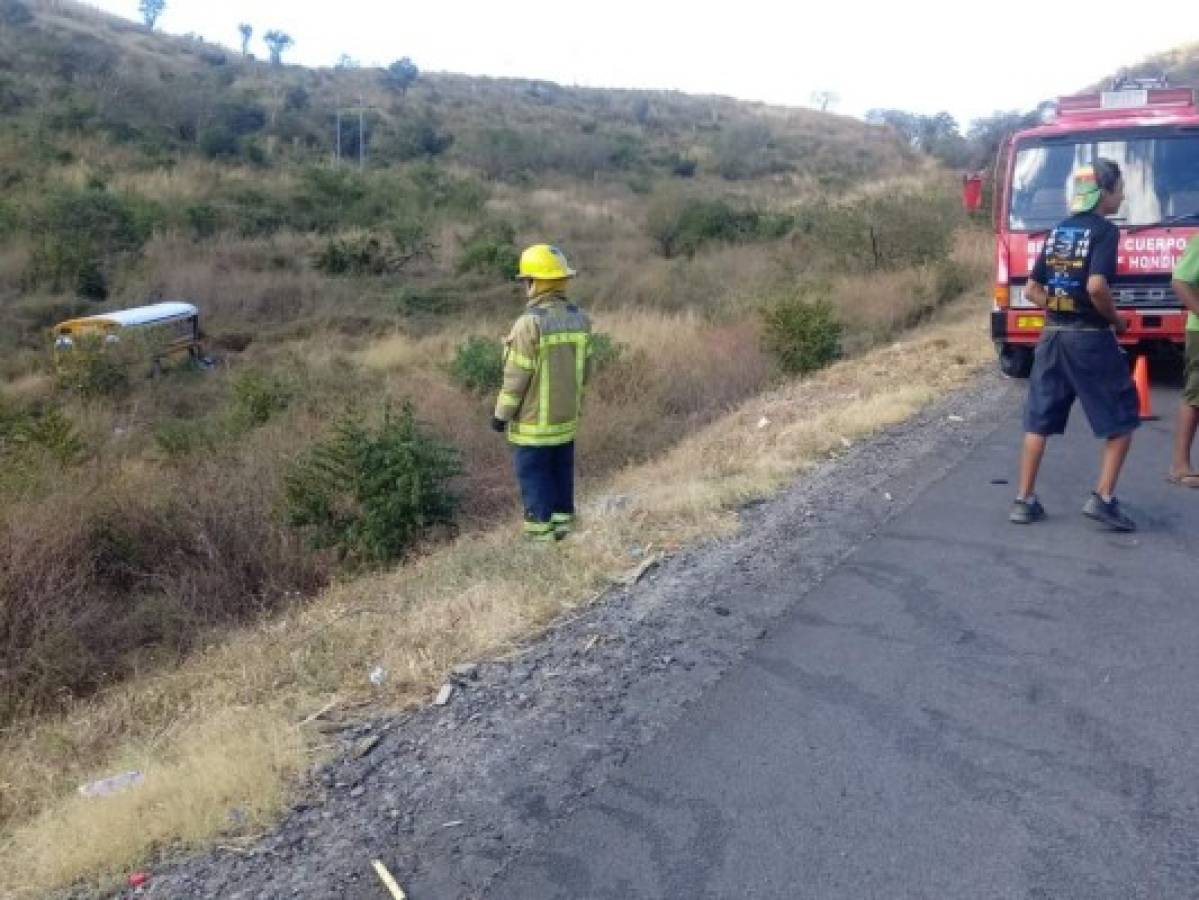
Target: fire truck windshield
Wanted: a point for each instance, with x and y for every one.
(1161, 177)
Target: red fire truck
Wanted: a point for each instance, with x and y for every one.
(1152, 131)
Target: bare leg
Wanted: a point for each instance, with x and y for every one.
(1184, 437)
(1030, 463)
(1115, 451)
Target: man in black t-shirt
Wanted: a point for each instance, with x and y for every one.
(1078, 355)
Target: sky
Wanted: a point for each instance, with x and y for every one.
(923, 55)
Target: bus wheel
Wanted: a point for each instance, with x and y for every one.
(1015, 362)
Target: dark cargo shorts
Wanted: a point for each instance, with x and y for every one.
(1087, 364)
(1190, 388)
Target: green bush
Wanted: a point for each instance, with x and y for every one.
(604, 350)
(203, 219)
(47, 430)
(802, 334)
(82, 232)
(358, 254)
(219, 142)
(681, 226)
(417, 138)
(371, 493)
(94, 369)
(478, 365)
(887, 232)
(256, 397)
(491, 250)
(178, 438)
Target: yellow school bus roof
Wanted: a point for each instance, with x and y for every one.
(139, 315)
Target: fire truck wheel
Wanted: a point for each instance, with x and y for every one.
(1015, 362)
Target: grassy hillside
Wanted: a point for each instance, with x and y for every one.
(715, 239)
(147, 523)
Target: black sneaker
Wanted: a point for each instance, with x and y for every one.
(1108, 513)
(1025, 512)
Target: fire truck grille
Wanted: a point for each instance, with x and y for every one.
(1156, 295)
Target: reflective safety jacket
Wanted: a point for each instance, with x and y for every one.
(546, 364)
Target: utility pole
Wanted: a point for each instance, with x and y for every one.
(342, 112)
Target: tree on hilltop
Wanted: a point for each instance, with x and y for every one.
(247, 31)
(151, 10)
(277, 41)
(401, 74)
(823, 100)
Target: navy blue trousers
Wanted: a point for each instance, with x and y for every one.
(547, 481)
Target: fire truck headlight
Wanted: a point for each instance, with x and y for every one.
(1017, 300)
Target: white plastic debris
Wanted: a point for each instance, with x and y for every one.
(377, 676)
(763, 422)
(888, 496)
(956, 419)
(444, 695)
(846, 442)
(113, 785)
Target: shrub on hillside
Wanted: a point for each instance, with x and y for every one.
(355, 254)
(801, 332)
(415, 138)
(604, 351)
(682, 226)
(39, 431)
(93, 369)
(478, 365)
(371, 493)
(257, 396)
(885, 232)
(491, 250)
(86, 231)
(219, 142)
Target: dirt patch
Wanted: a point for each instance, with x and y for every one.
(448, 795)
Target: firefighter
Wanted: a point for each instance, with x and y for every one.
(1078, 356)
(546, 364)
(1186, 286)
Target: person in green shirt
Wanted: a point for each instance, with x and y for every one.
(1186, 286)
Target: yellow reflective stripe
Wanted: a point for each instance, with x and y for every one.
(563, 337)
(522, 361)
(532, 430)
(530, 440)
(538, 527)
(581, 348)
(507, 398)
(543, 410)
(562, 518)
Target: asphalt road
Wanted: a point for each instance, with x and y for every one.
(963, 709)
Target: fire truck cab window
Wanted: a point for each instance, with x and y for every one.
(1161, 179)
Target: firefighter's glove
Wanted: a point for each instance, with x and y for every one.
(498, 425)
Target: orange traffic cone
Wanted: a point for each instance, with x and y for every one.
(1140, 377)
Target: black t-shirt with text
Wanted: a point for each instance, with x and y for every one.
(1084, 245)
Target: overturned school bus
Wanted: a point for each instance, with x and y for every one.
(161, 332)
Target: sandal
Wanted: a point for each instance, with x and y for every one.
(1189, 479)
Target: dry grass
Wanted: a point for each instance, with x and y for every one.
(475, 597)
(189, 794)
